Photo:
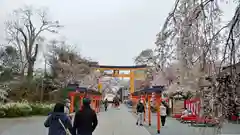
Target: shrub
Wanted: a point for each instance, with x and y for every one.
(15, 109)
(21, 109)
(41, 109)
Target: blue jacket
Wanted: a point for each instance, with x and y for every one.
(55, 127)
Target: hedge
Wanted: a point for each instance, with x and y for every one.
(21, 109)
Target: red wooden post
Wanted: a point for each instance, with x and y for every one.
(98, 106)
(99, 103)
(149, 110)
(71, 94)
(158, 114)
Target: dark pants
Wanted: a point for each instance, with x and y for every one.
(163, 120)
(105, 108)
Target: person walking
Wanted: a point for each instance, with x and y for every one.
(140, 111)
(58, 123)
(67, 107)
(163, 114)
(106, 104)
(85, 120)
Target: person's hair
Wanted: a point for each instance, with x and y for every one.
(86, 102)
(67, 101)
(59, 107)
(185, 108)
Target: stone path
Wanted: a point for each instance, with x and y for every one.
(27, 126)
(119, 122)
(174, 127)
(112, 122)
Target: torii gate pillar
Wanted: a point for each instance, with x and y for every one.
(132, 89)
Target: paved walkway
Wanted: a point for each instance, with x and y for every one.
(119, 122)
(112, 122)
(25, 126)
(174, 127)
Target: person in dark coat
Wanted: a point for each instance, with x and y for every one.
(140, 110)
(116, 101)
(85, 120)
(53, 121)
(106, 104)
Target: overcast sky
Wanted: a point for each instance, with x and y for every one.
(112, 32)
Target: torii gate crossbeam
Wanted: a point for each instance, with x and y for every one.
(116, 70)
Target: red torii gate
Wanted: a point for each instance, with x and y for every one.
(96, 99)
(143, 95)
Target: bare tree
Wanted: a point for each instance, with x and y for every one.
(24, 32)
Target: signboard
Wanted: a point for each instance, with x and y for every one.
(115, 72)
(108, 72)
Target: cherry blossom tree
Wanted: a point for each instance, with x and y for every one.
(69, 66)
(194, 36)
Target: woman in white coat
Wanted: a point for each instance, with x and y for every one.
(163, 113)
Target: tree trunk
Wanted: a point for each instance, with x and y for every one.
(22, 72)
(30, 69)
(42, 92)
